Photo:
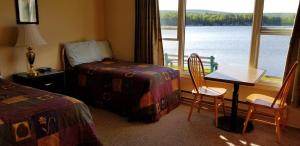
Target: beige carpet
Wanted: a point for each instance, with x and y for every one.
(174, 129)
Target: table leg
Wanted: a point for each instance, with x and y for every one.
(234, 123)
(234, 104)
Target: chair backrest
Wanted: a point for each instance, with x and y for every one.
(284, 90)
(196, 70)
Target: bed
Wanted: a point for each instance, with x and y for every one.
(32, 117)
(141, 92)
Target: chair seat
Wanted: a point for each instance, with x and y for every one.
(210, 91)
(264, 100)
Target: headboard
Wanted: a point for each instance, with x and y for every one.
(104, 48)
(64, 60)
(70, 73)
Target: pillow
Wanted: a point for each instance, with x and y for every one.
(104, 49)
(82, 52)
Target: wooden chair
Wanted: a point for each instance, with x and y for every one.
(277, 104)
(200, 90)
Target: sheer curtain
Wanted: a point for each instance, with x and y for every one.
(148, 42)
(293, 56)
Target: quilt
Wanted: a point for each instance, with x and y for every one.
(32, 117)
(139, 91)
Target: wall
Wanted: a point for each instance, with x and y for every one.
(119, 27)
(60, 21)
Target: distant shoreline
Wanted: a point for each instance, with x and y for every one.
(212, 18)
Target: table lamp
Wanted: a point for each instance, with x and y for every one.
(29, 36)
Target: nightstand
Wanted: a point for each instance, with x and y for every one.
(53, 81)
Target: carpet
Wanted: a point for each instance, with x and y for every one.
(173, 129)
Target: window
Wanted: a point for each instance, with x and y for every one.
(244, 32)
(169, 30)
(276, 28)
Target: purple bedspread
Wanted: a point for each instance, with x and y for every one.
(31, 117)
(140, 91)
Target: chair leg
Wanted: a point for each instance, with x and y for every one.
(199, 104)
(250, 111)
(192, 107)
(216, 111)
(278, 128)
(224, 112)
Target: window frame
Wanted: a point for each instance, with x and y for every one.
(259, 30)
(180, 34)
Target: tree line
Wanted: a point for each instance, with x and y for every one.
(225, 19)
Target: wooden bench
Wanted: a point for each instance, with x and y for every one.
(208, 62)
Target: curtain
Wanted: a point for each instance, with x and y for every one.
(148, 42)
(293, 56)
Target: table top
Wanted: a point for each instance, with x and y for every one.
(237, 74)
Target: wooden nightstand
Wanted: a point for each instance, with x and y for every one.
(53, 81)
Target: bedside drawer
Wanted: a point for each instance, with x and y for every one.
(53, 82)
(49, 83)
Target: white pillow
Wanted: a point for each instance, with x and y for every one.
(104, 49)
(82, 52)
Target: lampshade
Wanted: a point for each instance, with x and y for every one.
(28, 35)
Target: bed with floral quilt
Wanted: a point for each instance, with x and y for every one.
(141, 92)
(32, 117)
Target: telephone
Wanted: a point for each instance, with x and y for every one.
(43, 69)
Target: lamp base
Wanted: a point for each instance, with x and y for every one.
(30, 57)
(32, 73)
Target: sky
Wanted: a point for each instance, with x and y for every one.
(239, 6)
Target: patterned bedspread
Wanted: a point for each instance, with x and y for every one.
(31, 117)
(139, 91)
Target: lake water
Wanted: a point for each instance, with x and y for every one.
(231, 45)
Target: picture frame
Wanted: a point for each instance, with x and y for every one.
(27, 11)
